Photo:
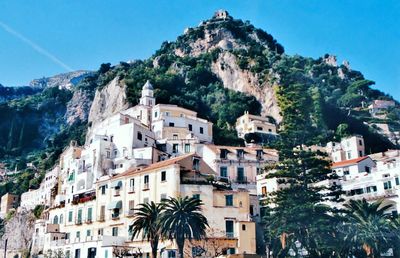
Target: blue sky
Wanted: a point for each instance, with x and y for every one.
(43, 38)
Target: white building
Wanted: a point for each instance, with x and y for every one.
(248, 123)
(349, 148)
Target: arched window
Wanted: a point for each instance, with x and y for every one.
(55, 220)
(61, 219)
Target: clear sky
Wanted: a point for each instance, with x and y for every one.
(46, 37)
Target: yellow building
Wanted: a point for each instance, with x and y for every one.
(98, 222)
(8, 202)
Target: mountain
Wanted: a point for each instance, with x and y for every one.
(221, 68)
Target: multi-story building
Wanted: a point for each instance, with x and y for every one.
(46, 192)
(98, 224)
(349, 148)
(8, 202)
(148, 153)
(248, 123)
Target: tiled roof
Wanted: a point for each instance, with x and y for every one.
(348, 162)
(156, 165)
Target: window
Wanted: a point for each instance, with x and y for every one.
(196, 196)
(77, 253)
(79, 219)
(252, 210)
(201, 130)
(70, 216)
(348, 155)
(146, 200)
(89, 214)
(171, 254)
(175, 148)
(360, 153)
(174, 137)
(139, 136)
(131, 206)
(61, 219)
(132, 185)
(100, 232)
(155, 114)
(108, 154)
(55, 220)
(171, 124)
(240, 153)
(223, 171)
(229, 228)
(346, 172)
(223, 154)
(187, 147)
(103, 189)
(360, 142)
(163, 197)
(146, 179)
(229, 200)
(259, 154)
(190, 127)
(115, 231)
(163, 176)
(88, 232)
(196, 164)
(102, 212)
(264, 190)
(244, 227)
(387, 185)
(367, 169)
(397, 181)
(78, 234)
(259, 128)
(240, 175)
(166, 113)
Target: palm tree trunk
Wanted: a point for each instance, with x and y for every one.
(154, 248)
(180, 243)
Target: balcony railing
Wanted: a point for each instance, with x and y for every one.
(146, 186)
(230, 234)
(129, 213)
(102, 218)
(115, 216)
(241, 180)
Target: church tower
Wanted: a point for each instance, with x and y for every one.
(147, 98)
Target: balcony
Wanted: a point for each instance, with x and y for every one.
(88, 221)
(241, 180)
(130, 213)
(115, 216)
(78, 222)
(230, 235)
(146, 187)
(84, 197)
(102, 218)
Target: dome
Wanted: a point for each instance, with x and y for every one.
(147, 86)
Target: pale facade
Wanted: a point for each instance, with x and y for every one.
(349, 148)
(97, 225)
(248, 123)
(8, 202)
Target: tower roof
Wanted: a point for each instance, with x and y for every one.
(147, 86)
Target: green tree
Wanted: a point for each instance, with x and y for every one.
(147, 221)
(182, 219)
(300, 198)
(369, 227)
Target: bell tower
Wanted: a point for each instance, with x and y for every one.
(147, 98)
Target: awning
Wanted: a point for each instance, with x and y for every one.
(114, 205)
(116, 184)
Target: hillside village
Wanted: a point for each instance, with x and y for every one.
(205, 118)
(151, 152)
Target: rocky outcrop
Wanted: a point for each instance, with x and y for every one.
(234, 78)
(108, 101)
(18, 231)
(78, 107)
(63, 81)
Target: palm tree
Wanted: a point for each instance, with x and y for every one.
(368, 226)
(182, 219)
(147, 220)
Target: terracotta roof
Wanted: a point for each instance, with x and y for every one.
(349, 162)
(156, 165)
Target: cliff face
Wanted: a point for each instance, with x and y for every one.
(18, 231)
(108, 101)
(63, 81)
(234, 78)
(78, 107)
